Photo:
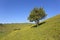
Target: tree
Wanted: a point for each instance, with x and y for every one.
(36, 15)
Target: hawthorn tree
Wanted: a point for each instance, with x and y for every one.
(36, 15)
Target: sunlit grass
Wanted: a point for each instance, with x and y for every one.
(50, 30)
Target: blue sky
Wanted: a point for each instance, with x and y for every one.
(17, 11)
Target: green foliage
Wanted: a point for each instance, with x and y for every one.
(37, 14)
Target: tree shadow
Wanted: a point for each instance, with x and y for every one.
(17, 29)
(39, 24)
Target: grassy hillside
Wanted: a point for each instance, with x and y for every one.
(48, 30)
(5, 29)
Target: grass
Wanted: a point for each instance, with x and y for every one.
(5, 29)
(50, 30)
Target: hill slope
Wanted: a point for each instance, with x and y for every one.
(49, 30)
(5, 29)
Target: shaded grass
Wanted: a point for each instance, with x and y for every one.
(38, 24)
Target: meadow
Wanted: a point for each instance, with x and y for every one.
(47, 30)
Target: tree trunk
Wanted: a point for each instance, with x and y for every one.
(37, 22)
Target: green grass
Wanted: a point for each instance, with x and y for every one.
(5, 29)
(50, 30)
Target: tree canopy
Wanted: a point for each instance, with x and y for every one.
(37, 14)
